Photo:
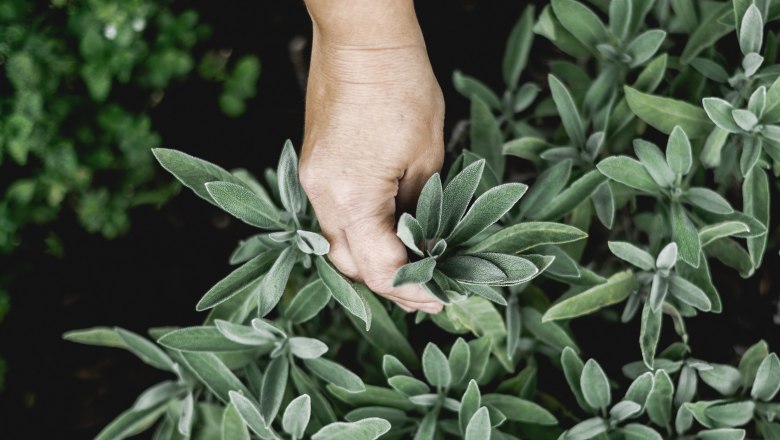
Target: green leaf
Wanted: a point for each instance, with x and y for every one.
(409, 386)
(665, 113)
(485, 134)
(194, 173)
(713, 25)
(307, 348)
(411, 233)
(632, 254)
(572, 370)
(587, 429)
(572, 197)
(200, 339)
(689, 293)
(567, 109)
(624, 410)
(549, 26)
(418, 272)
(523, 237)
(720, 112)
(730, 415)
(710, 69)
(146, 350)
(583, 24)
(290, 191)
(679, 155)
(516, 269)
(469, 404)
(245, 205)
(479, 425)
(548, 332)
(308, 302)
(274, 386)
(708, 200)
(616, 289)
(651, 76)
(429, 207)
(751, 32)
(472, 88)
(721, 434)
(391, 366)
(659, 402)
(644, 46)
(548, 185)
(710, 233)
(130, 423)
(343, 291)
(685, 235)
(99, 336)
(275, 280)
(635, 431)
(767, 382)
(157, 394)
(723, 378)
(233, 426)
(213, 373)
(654, 162)
(459, 360)
(620, 18)
(640, 389)
(757, 102)
(750, 362)
(436, 367)
(595, 385)
(240, 278)
(519, 410)
(250, 414)
(518, 47)
(486, 210)
(756, 203)
(650, 331)
(629, 172)
(604, 204)
(296, 416)
(367, 429)
(457, 195)
(772, 110)
(335, 374)
(312, 243)
(240, 334)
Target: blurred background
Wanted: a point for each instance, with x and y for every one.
(92, 232)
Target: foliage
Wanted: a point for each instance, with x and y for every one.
(276, 357)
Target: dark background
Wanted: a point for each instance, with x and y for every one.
(154, 275)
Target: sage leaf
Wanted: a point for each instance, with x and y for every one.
(478, 427)
(459, 360)
(525, 236)
(571, 197)
(548, 185)
(274, 281)
(659, 402)
(418, 272)
(429, 207)
(654, 162)
(624, 410)
(233, 426)
(486, 139)
(518, 47)
(587, 429)
(296, 416)
(709, 200)
(666, 113)
(548, 332)
(678, 151)
(616, 289)
(335, 374)
(658, 290)
(567, 109)
(767, 382)
(632, 254)
(472, 88)
(583, 24)
(274, 385)
(130, 423)
(755, 196)
(367, 429)
(730, 415)
(99, 336)
(644, 46)
(720, 112)
(639, 389)
(186, 410)
(308, 302)
(519, 410)
(457, 195)
(312, 243)
(245, 205)
(307, 348)
(723, 378)
(650, 331)
(635, 431)
(757, 102)
(290, 190)
(436, 367)
(194, 173)
(572, 370)
(240, 278)
(146, 350)
(685, 235)
(629, 172)
(242, 334)
(250, 414)
(667, 258)
(343, 291)
(751, 32)
(213, 373)
(411, 233)
(595, 385)
(201, 339)
(604, 203)
(408, 386)
(486, 210)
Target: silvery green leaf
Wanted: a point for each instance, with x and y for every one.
(265, 325)
(194, 173)
(616, 289)
(250, 414)
(732, 254)
(275, 280)
(721, 434)
(514, 326)
(751, 63)
(709, 200)
(572, 197)
(744, 118)
(659, 402)
(343, 291)
(750, 362)
(751, 153)
(396, 417)
(523, 237)
(237, 280)
(418, 272)
(146, 350)
(478, 427)
(487, 210)
(678, 152)
(640, 389)
(201, 339)
(687, 384)
(99, 336)
(629, 172)
(572, 370)
(233, 426)
(583, 24)
(519, 410)
(720, 112)
(632, 254)
(667, 257)
(751, 32)
(472, 269)
(245, 205)
(186, 413)
(308, 302)
(157, 394)
(312, 243)
(290, 191)
(600, 92)
(631, 307)
(524, 97)
(595, 385)
(408, 385)
(772, 110)
(457, 195)
(427, 427)
(469, 404)
(587, 429)
(757, 102)
(567, 109)
(710, 69)
(244, 334)
(367, 429)
(635, 431)
(686, 235)
(711, 153)
(654, 161)
(296, 416)
(756, 203)
(649, 332)
(771, 132)
(436, 367)
(213, 373)
(665, 113)
(425, 399)
(429, 207)
(251, 247)
(767, 382)
(517, 269)
(644, 46)
(459, 360)
(470, 87)
(437, 250)
(307, 348)
(518, 47)
(604, 203)
(658, 291)
(729, 415)
(335, 374)
(548, 332)
(548, 185)
(725, 379)
(391, 366)
(624, 410)
(274, 385)
(411, 233)
(485, 136)
(684, 420)
(620, 18)
(130, 423)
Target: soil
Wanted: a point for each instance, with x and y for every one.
(154, 275)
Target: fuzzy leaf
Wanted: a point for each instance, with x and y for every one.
(644, 46)
(685, 235)
(486, 210)
(367, 429)
(629, 172)
(632, 254)
(767, 382)
(296, 416)
(335, 374)
(457, 196)
(245, 205)
(678, 151)
(654, 162)
(708, 200)
(583, 24)
(567, 109)
(418, 272)
(518, 47)
(343, 291)
(666, 113)
(616, 289)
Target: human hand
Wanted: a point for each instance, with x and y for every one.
(373, 136)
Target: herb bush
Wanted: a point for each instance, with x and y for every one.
(645, 140)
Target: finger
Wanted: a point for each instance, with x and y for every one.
(409, 307)
(414, 179)
(378, 254)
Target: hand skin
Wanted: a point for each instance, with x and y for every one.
(373, 136)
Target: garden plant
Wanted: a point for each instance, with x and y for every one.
(650, 153)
